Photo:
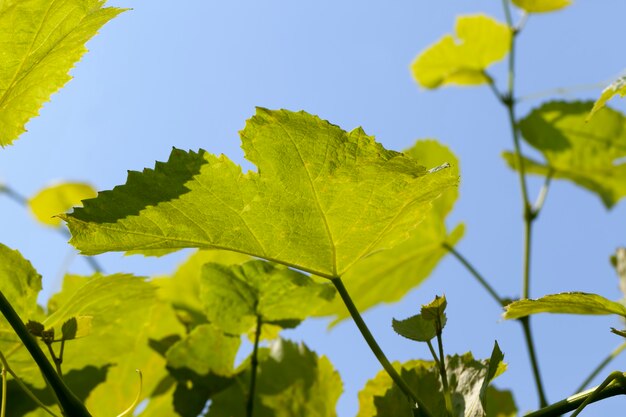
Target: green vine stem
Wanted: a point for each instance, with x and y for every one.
(69, 403)
(27, 391)
(601, 366)
(255, 365)
(481, 280)
(371, 342)
(442, 371)
(573, 402)
(3, 407)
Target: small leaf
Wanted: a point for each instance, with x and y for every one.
(35, 328)
(481, 41)
(41, 41)
(500, 403)
(541, 6)
(588, 154)
(415, 328)
(234, 296)
(76, 327)
(616, 87)
(435, 310)
(333, 197)
(57, 199)
(564, 303)
(292, 382)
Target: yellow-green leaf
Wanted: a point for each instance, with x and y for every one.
(322, 198)
(618, 87)
(41, 40)
(541, 6)
(565, 303)
(480, 41)
(58, 199)
(387, 276)
(591, 154)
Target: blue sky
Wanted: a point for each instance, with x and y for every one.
(188, 74)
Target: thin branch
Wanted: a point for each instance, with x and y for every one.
(601, 366)
(528, 337)
(371, 342)
(481, 280)
(543, 193)
(255, 365)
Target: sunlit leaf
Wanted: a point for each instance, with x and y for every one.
(540, 6)
(500, 403)
(565, 303)
(617, 87)
(591, 154)
(468, 380)
(435, 310)
(182, 288)
(57, 199)
(415, 328)
(234, 296)
(41, 40)
(387, 276)
(292, 382)
(20, 284)
(322, 198)
(480, 41)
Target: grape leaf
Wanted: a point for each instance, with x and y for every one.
(292, 381)
(468, 380)
(322, 198)
(480, 42)
(540, 6)
(617, 87)
(20, 284)
(415, 328)
(234, 296)
(182, 289)
(589, 154)
(564, 303)
(500, 403)
(41, 40)
(408, 264)
(50, 201)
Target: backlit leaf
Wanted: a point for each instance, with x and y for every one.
(480, 41)
(415, 328)
(617, 87)
(20, 284)
(41, 40)
(564, 303)
(58, 199)
(500, 403)
(387, 276)
(589, 154)
(321, 200)
(540, 6)
(468, 380)
(292, 381)
(234, 296)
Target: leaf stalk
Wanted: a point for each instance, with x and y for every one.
(255, 365)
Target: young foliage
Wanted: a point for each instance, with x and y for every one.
(617, 87)
(468, 378)
(41, 41)
(20, 283)
(589, 154)
(565, 303)
(480, 42)
(333, 198)
(49, 202)
(407, 265)
(292, 382)
(540, 6)
(236, 296)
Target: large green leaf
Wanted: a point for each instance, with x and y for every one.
(235, 296)
(40, 41)
(617, 87)
(480, 41)
(321, 200)
(57, 199)
(292, 381)
(387, 276)
(540, 6)
(468, 381)
(20, 284)
(565, 303)
(589, 154)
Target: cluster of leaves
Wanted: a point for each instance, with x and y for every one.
(324, 208)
